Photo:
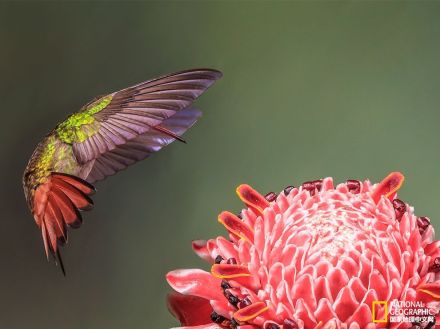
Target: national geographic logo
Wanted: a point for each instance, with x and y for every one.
(414, 312)
(375, 307)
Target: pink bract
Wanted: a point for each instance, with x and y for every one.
(312, 257)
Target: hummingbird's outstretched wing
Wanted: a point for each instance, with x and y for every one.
(109, 134)
(105, 134)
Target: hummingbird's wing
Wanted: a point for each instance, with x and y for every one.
(112, 125)
(139, 147)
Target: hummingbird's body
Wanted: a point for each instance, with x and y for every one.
(51, 155)
(104, 137)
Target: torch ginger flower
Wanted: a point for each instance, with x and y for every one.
(313, 257)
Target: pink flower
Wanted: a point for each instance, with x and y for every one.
(312, 257)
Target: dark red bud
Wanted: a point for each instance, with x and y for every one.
(308, 186)
(271, 196)
(436, 266)
(318, 184)
(231, 261)
(217, 318)
(313, 186)
(354, 186)
(288, 189)
(244, 302)
(399, 208)
(423, 223)
(233, 300)
(225, 285)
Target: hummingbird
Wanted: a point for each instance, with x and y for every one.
(105, 136)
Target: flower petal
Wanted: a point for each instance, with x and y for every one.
(362, 316)
(337, 279)
(429, 292)
(303, 288)
(195, 282)
(388, 186)
(200, 248)
(432, 248)
(250, 312)
(345, 304)
(252, 198)
(189, 310)
(322, 289)
(229, 271)
(324, 311)
(236, 226)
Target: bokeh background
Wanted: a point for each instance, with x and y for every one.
(310, 89)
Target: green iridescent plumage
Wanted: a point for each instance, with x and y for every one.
(80, 126)
(51, 155)
(47, 156)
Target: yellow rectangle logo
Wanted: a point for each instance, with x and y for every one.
(377, 303)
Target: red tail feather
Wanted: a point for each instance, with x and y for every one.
(67, 208)
(56, 205)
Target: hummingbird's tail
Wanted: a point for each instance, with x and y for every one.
(57, 205)
(59, 260)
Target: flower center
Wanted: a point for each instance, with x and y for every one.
(334, 233)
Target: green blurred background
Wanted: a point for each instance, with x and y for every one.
(349, 90)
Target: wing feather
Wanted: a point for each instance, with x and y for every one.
(140, 147)
(108, 141)
(113, 135)
(115, 119)
(100, 143)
